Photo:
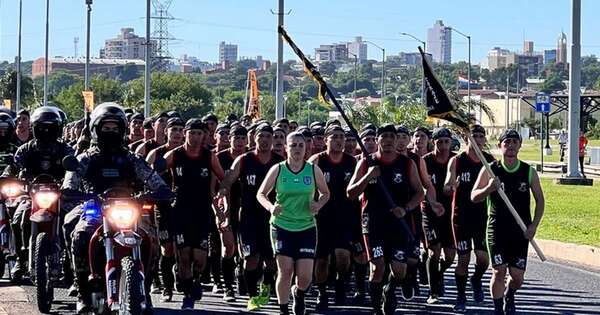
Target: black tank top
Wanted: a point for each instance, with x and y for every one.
(191, 179)
(516, 184)
(252, 174)
(395, 178)
(467, 171)
(226, 161)
(149, 146)
(438, 172)
(337, 176)
(160, 153)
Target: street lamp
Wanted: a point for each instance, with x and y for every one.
(46, 54)
(18, 100)
(382, 68)
(87, 46)
(469, 70)
(147, 63)
(425, 51)
(355, 73)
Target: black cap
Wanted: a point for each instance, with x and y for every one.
(509, 134)
(423, 130)
(138, 116)
(278, 129)
(348, 133)
(175, 121)
(367, 133)
(332, 121)
(23, 112)
(161, 115)
(316, 123)
(174, 113)
(196, 123)
(441, 133)
(232, 117)
(147, 124)
(222, 128)
(401, 129)
(317, 130)
(386, 128)
(368, 126)
(210, 117)
(305, 132)
(333, 128)
(478, 128)
(238, 130)
(264, 127)
(281, 121)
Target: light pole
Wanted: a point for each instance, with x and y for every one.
(46, 54)
(574, 89)
(279, 111)
(355, 74)
(469, 70)
(425, 51)
(87, 45)
(382, 68)
(147, 61)
(18, 101)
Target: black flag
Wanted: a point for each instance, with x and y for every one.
(438, 102)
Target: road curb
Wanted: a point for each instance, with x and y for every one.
(578, 254)
(14, 300)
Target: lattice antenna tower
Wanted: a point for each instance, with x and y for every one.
(161, 35)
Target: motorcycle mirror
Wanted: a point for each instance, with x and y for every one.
(70, 163)
(160, 165)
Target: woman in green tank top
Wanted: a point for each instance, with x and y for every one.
(293, 229)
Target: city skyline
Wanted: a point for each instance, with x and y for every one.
(199, 32)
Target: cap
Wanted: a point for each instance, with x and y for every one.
(223, 128)
(138, 116)
(332, 121)
(348, 133)
(367, 133)
(316, 123)
(509, 134)
(368, 126)
(175, 121)
(441, 133)
(478, 129)
(305, 132)
(210, 117)
(386, 128)
(264, 127)
(281, 121)
(147, 124)
(279, 129)
(238, 130)
(423, 130)
(161, 115)
(317, 130)
(402, 129)
(333, 128)
(195, 123)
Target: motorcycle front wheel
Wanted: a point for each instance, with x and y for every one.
(44, 289)
(131, 288)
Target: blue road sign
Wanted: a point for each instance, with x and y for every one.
(542, 103)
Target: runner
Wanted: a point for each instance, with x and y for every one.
(437, 221)
(147, 131)
(334, 221)
(351, 143)
(279, 141)
(282, 123)
(253, 235)
(385, 247)
(293, 125)
(507, 244)
(135, 128)
(308, 141)
(222, 137)
(468, 218)
(293, 231)
(159, 125)
(318, 138)
(194, 170)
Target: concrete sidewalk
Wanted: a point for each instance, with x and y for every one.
(587, 256)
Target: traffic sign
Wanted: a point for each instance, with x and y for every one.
(542, 103)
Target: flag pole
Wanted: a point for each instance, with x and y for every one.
(324, 90)
(504, 197)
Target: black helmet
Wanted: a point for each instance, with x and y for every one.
(46, 123)
(6, 121)
(107, 111)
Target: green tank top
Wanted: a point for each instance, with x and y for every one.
(295, 191)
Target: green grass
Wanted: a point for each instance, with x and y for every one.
(530, 150)
(572, 213)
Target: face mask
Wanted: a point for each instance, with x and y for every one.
(110, 140)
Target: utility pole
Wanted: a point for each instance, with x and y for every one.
(18, 101)
(574, 89)
(506, 107)
(355, 74)
(46, 54)
(147, 61)
(279, 110)
(382, 68)
(87, 45)
(425, 51)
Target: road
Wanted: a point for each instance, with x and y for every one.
(550, 288)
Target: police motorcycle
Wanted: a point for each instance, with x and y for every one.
(120, 288)
(11, 191)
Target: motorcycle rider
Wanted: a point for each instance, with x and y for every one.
(106, 164)
(42, 155)
(7, 148)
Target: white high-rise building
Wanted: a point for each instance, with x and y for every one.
(228, 53)
(561, 48)
(127, 45)
(439, 42)
(358, 48)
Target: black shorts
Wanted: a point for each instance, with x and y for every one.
(163, 220)
(469, 232)
(438, 230)
(191, 227)
(509, 248)
(297, 245)
(358, 242)
(332, 235)
(383, 239)
(253, 235)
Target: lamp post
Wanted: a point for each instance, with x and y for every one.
(469, 70)
(147, 53)
(355, 73)
(382, 68)
(424, 50)
(46, 54)
(87, 46)
(18, 100)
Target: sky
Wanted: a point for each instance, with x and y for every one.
(200, 25)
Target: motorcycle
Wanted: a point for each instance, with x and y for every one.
(44, 245)
(10, 190)
(122, 241)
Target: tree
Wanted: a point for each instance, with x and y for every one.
(552, 84)
(59, 80)
(8, 88)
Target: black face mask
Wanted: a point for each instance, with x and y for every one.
(45, 134)
(110, 140)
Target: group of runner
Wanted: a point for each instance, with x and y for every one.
(260, 206)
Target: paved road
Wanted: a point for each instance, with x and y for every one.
(550, 288)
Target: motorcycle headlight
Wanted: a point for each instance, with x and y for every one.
(12, 189)
(45, 199)
(123, 216)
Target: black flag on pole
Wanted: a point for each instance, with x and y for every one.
(438, 102)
